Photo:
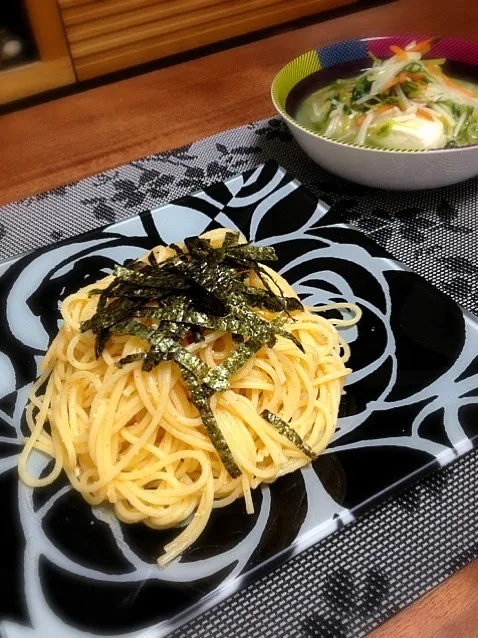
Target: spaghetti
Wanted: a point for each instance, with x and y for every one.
(142, 437)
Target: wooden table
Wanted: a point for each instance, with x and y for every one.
(67, 139)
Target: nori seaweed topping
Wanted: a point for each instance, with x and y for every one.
(200, 319)
(231, 239)
(198, 289)
(131, 358)
(163, 345)
(266, 300)
(286, 430)
(151, 276)
(218, 378)
(117, 310)
(201, 400)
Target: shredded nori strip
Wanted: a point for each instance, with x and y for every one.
(201, 400)
(164, 345)
(197, 334)
(198, 289)
(264, 276)
(131, 358)
(253, 253)
(131, 290)
(218, 378)
(288, 431)
(150, 276)
(203, 301)
(200, 319)
(266, 300)
(102, 337)
(230, 239)
(117, 310)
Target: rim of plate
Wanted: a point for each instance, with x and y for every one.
(455, 49)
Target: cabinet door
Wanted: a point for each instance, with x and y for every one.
(107, 35)
(53, 68)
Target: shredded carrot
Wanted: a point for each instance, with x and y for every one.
(435, 70)
(416, 77)
(392, 83)
(425, 114)
(423, 47)
(360, 119)
(399, 79)
(456, 86)
(400, 53)
(383, 108)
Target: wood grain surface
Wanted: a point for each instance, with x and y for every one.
(64, 140)
(160, 37)
(449, 611)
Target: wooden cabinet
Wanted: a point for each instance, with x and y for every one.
(53, 68)
(81, 39)
(107, 35)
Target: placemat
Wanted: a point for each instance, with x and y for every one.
(360, 576)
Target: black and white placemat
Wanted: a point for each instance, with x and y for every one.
(355, 579)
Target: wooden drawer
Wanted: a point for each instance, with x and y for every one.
(53, 68)
(107, 35)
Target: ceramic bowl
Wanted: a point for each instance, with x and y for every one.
(382, 168)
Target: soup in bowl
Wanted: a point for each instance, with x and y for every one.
(393, 112)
